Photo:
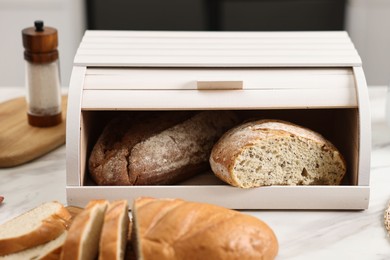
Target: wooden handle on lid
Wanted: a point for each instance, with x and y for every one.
(219, 85)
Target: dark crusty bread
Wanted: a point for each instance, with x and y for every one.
(157, 148)
(177, 229)
(274, 152)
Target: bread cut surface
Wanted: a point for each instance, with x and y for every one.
(177, 229)
(274, 152)
(35, 227)
(113, 238)
(82, 241)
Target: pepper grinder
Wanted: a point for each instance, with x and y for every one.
(42, 75)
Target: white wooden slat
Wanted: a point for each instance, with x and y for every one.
(212, 53)
(218, 61)
(185, 79)
(207, 34)
(226, 46)
(112, 43)
(217, 99)
(264, 71)
(217, 40)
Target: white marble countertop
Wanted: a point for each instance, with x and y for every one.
(301, 234)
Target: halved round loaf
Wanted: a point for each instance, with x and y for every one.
(274, 152)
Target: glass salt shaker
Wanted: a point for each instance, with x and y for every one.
(42, 75)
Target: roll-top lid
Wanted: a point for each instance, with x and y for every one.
(216, 49)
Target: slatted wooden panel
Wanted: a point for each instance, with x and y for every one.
(216, 49)
(186, 78)
(215, 99)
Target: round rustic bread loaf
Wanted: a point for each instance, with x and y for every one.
(274, 152)
(157, 148)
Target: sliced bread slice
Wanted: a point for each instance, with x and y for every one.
(48, 251)
(115, 230)
(35, 227)
(83, 237)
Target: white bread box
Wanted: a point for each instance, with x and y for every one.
(314, 79)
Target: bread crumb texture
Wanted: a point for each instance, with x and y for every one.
(21, 225)
(276, 154)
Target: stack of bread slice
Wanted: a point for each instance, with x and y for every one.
(47, 232)
(36, 234)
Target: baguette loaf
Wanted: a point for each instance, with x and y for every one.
(273, 152)
(33, 228)
(157, 148)
(82, 241)
(115, 230)
(175, 229)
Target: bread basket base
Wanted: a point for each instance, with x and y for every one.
(273, 197)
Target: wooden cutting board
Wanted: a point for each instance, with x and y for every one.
(20, 142)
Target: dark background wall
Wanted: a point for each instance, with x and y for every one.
(224, 15)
